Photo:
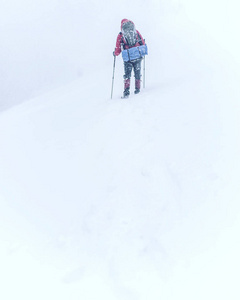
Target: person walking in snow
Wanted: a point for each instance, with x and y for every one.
(128, 38)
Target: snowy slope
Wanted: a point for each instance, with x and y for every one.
(136, 199)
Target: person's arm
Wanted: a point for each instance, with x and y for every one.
(118, 44)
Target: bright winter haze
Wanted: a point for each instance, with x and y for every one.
(131, 199)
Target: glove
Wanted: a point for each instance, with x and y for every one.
(114, 53)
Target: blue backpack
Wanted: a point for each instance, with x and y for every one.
(134, 53)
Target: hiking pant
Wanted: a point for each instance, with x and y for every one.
(135, 65)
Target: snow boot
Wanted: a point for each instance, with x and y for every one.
(126, 92)
(137, 86)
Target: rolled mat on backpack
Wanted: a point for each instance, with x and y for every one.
(134, 53)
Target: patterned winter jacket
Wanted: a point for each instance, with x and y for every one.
(121, 41)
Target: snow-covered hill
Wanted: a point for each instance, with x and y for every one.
(126, 199)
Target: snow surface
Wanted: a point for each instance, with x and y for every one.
(119, 199)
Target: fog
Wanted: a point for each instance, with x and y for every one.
(46, 44)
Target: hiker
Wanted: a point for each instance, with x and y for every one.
(128, 38)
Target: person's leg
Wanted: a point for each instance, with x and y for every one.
(127, 75)
(137, 73)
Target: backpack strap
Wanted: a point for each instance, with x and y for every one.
(139, 39)
(124, 41)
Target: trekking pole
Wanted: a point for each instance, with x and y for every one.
(114, 62)
(144, 72)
